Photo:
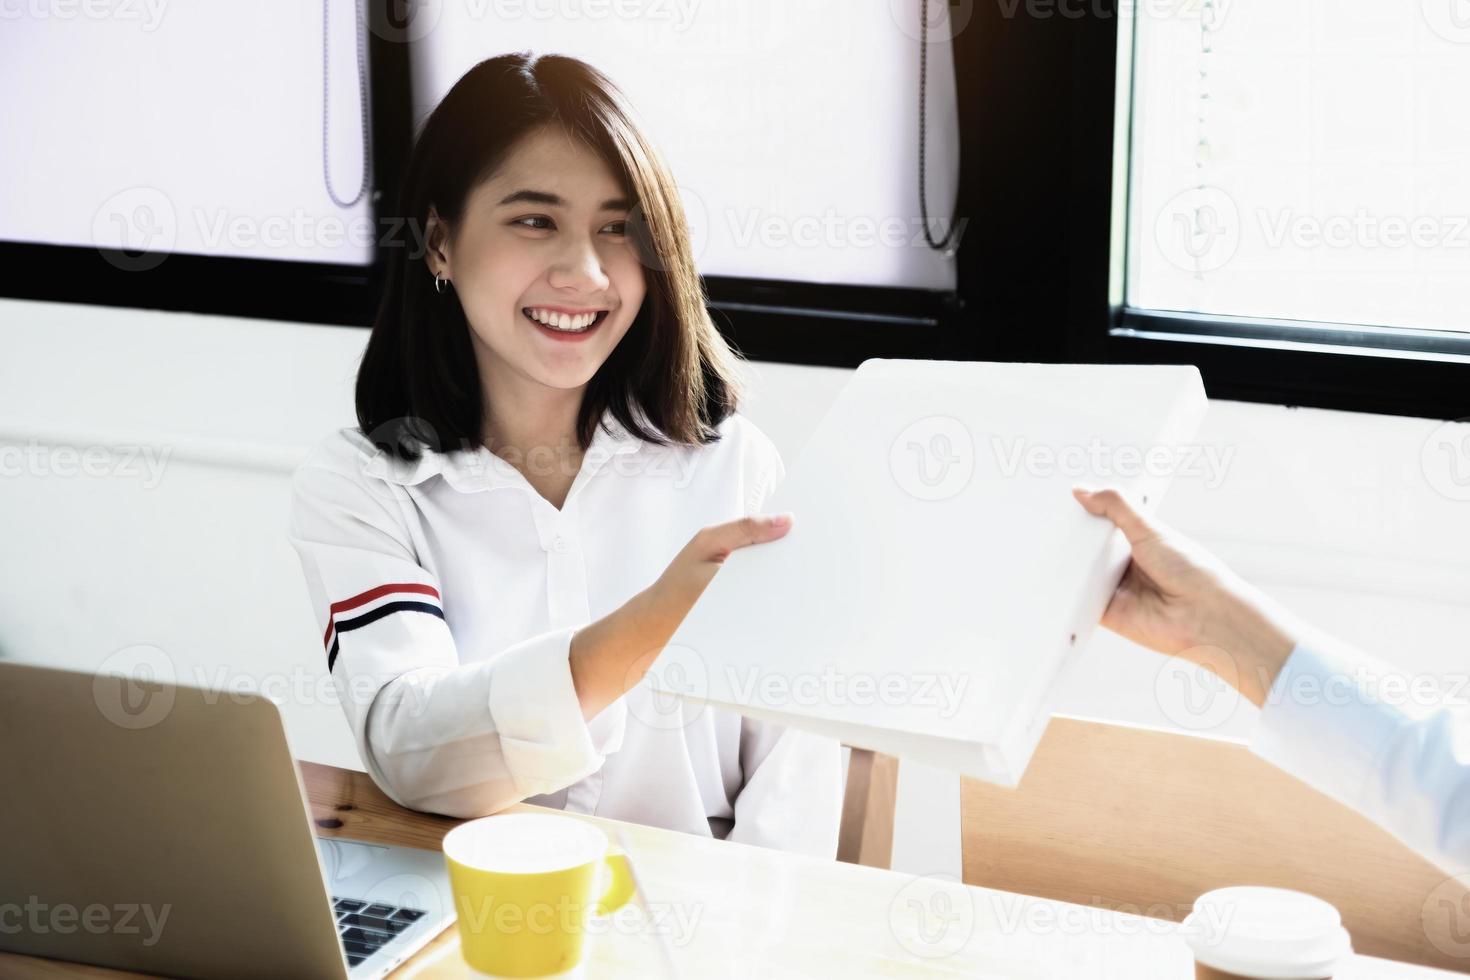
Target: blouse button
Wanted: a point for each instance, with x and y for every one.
(559, 544)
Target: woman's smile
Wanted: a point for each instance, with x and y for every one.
(562, 324)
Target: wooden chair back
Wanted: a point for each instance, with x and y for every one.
(866, 834)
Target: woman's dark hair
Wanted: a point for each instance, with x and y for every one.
(671, 378)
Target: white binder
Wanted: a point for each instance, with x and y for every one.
(938, 577)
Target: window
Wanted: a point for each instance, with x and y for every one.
(191, 127)
(241, 161)
(189, 155)
(790, 127)
(1290, 209)
(1302, 160)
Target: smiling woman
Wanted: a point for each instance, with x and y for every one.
(547, 424)
(560, 259)
(558, 207)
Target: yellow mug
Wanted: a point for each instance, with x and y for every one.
(524, 885)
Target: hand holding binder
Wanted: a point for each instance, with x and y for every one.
(938, 577)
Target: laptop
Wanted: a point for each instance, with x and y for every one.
(939, 579)
(163, 828)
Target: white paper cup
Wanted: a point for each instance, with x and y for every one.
(1265, 934)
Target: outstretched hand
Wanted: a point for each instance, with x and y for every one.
(609, 656)
(1179, 599)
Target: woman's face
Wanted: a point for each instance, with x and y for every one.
(546, 234)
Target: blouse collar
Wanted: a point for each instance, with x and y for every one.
(468, 470)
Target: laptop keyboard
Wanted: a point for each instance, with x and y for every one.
(366, 928)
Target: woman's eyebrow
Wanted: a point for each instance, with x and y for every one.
(554, 200)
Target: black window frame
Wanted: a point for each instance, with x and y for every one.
(794, 321)
(1353, 367)
(1037, 89)
(272, 289)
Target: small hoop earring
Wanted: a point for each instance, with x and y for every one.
(439, 284)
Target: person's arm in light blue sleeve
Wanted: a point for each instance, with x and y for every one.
(1392, 747)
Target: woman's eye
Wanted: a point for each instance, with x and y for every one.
(616, 228)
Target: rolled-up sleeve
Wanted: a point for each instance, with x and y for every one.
(436, 734)
(1395, 748)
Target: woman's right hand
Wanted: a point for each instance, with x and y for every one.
(612, 654)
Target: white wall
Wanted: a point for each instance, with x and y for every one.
(1334, 513)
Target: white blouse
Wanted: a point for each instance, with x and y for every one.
(448, 591)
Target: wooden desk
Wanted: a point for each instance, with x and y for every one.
(735, 910)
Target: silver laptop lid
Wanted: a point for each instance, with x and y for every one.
(157, 828)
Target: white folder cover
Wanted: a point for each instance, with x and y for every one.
(938, 577)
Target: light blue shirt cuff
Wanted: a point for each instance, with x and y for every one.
(1323, 723)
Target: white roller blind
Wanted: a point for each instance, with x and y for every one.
(1303, 159)
(791, 128)
(189, 126)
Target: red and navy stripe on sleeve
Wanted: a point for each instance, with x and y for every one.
(373, 605)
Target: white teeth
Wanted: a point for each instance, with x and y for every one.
(562, 321)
